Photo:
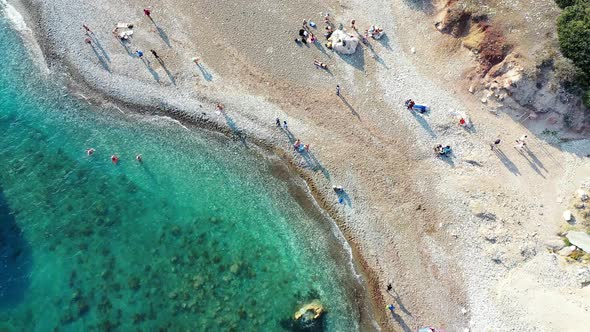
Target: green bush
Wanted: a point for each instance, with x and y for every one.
(586, 99)
(573, 30)
(565, 71)
(565, 3)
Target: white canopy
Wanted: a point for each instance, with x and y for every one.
(343, 42)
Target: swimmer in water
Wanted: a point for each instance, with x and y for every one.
(114, 159)
(90, 151)
(138, 158)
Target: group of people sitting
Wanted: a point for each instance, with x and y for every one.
(442, 150)
(300, 147)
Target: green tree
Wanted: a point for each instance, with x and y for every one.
(573, 30)
(565, 3)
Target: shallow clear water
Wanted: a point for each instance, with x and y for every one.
(203, 235)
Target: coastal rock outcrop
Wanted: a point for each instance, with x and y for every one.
(310, 311)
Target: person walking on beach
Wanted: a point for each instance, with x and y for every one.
(495, 144)
(520, 144)
(338, 90)
(85, 26)
(139, 53)
(88, 41)
(278, 122)
(285, 125)
(155, 54)
(148, 12)
(352, 24)
(391, 308)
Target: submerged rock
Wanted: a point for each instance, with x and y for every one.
(310, 311)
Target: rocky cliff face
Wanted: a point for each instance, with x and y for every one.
(509, 74)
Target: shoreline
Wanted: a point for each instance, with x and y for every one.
(359, 269)
(416, 219)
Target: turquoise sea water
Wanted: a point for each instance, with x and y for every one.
(204, 235)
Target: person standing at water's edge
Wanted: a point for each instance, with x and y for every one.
(495, 144)
(285, 125)
(278, 122)
(338, 90)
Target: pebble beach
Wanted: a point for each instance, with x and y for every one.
(408, 217)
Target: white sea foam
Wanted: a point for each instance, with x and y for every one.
(17, 21)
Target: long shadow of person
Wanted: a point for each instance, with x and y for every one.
(531, 163)
(374, 54)
(506, 161)
(234, 128)
(535, 159)
(384, 40)
(170, 76)
(289, 134)
(206, 74)
(125, 46)
(400, 321)
(399, 302)
(322, 49)
(313, 163)
(99, 46)
(148, 65)
(347, 104)
(15, 258)
(101, 59)
(163, 35)
(423, 123)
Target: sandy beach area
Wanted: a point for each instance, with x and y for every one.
(462, 240)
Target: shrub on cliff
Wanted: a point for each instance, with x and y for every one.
(573, 29)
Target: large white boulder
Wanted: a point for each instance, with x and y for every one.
(580, 240)
(343, 43)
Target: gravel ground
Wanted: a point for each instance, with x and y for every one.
(413, 220)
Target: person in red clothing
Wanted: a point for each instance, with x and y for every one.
(148, 12)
